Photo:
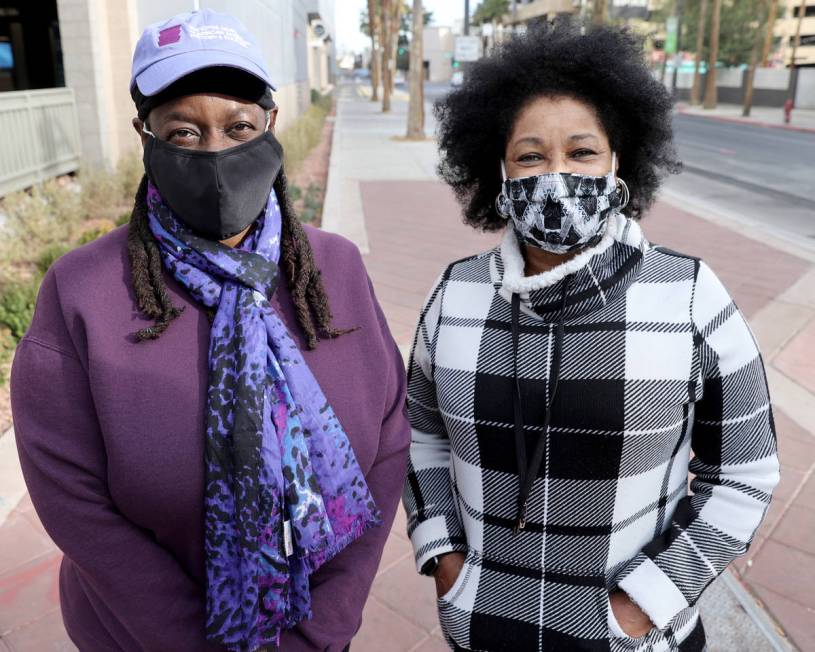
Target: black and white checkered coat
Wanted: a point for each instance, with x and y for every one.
(658, 363)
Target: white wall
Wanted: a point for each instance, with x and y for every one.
(438, 44)
(772, 78)
(805, 94)
(684, 79)
(729, 77)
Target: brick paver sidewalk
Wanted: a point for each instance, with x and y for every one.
(410, 226)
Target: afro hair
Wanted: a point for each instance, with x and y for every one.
(601, 66)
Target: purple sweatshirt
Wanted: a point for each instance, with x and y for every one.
(111, 439)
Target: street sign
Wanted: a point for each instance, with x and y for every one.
(468, 48)
(671, 34)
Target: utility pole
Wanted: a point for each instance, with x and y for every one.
(415, 127)
(710, 86)
(697, 64)
(795, 44)
(751, 73)
(466, 17)
(768, 39)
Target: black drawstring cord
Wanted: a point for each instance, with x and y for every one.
(527, 474)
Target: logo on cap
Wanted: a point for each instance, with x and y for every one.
(169, 35)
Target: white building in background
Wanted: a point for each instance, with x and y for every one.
(786, 26)
(65, 71)
(439, 44)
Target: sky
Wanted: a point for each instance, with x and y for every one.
(347, 16)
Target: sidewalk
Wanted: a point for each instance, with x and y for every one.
(760, 116)
(384, 195)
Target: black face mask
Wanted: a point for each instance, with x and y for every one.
(216, 194)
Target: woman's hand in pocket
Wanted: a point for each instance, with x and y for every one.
(447, 572)
(633, 620)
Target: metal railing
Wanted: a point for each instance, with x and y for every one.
(39, 137)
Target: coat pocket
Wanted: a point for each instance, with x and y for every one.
(654, 640)
(456, 605)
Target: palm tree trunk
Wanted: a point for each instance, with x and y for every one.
(710, 87)
(700, 44)
(376, 38)
(415, 126)
(387, 51)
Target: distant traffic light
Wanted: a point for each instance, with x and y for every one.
(456, 64)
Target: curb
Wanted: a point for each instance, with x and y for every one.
(758, 614)
(744, 121)
(12, 485)
(777, 239)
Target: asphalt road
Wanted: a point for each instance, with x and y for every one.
(758, 175)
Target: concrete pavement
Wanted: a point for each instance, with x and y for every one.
(384, 195)
(763, 116)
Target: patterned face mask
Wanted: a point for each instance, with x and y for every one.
(560, 212)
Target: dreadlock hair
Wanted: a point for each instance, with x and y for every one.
(296, 260)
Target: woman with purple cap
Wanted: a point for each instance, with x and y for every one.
(209, 404)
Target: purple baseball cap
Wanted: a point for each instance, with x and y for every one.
(172, 49)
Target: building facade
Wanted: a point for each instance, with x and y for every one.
(438, 46)
(786, 26)
(80, 50)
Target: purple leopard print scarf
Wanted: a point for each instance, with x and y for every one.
(284, 492)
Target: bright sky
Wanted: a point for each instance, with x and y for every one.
(350, 38)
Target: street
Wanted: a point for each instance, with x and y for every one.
(758, 175)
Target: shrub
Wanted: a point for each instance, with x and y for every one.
(101, 193)
(96, 229)
(303, 135)
(309, 205)
(312, 204)
(50, 255)
(17, 301)
(47, 214)
(324, 102)
(130, 170)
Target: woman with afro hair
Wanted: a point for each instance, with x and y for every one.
(565, 385)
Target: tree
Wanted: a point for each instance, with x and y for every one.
(390, 12)
(768, 39)
(415, 127)
(599, 12)
(386, 11)
(710, 86)
(490, 10)
(405, 30)
(737, 31)
(697, 64)
(751, 73)
(370, 24)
